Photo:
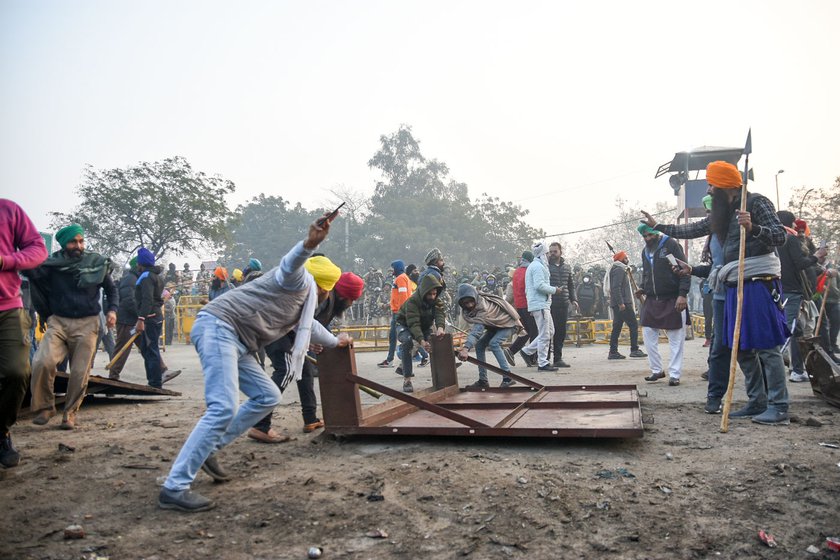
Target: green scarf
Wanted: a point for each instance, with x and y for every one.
(89, 269)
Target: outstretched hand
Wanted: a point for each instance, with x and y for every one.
(317, 233)
(648, 219)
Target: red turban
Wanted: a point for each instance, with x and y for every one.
(620, 256)
(349, 286)
(723, 175)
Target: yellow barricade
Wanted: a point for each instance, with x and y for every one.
(185, 312)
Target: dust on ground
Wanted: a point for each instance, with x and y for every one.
(685, 490)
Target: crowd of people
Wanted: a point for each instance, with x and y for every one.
(284, 314)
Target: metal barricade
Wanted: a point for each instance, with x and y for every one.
(185, 312)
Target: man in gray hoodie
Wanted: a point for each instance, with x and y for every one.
(493, 320)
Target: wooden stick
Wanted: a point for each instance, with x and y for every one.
(122, 350)
(736, 335)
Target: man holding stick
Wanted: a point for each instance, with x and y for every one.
(763, 329)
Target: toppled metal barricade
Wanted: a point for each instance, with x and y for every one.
(527, 410)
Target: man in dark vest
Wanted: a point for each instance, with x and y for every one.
(763, 326)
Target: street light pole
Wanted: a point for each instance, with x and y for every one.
(778, 207)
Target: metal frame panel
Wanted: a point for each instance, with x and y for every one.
(527, 410)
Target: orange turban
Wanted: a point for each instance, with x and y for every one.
(221, 273)
(620, 256)
(723, 175)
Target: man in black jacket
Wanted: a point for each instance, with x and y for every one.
(148, 293)
(623, 307)
(795, 261)
(665, 303)
(66, 292)
(560, 273)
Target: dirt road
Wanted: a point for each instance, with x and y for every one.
(683, 491)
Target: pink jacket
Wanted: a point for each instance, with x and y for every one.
(21, 248)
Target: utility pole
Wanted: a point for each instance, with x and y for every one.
(779, 172)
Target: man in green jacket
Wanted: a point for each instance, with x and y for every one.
(415, 319)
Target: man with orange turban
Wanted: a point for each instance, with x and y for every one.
(763, 326)
(617, 289)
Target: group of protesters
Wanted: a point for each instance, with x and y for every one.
(284, 314)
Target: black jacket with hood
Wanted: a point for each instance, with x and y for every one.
(658, 279)
(148, 294)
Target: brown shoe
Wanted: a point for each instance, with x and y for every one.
(69, 421)
(43, 417)
(267, 437)
(308, 428)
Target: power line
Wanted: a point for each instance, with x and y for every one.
(598, 227)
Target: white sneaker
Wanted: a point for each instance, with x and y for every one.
(798, 377)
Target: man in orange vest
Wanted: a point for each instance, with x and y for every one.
(401, 290)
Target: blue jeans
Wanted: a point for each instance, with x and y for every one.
(228, 367)
(792, 312)
(492, 338)
(407, 348)
(392, 338)
(719, 355)
(150, 351)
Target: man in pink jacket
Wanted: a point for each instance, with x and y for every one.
(21, 248)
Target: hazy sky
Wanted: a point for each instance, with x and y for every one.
(559, 106)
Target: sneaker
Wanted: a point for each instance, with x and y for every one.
(713, 406)
(637, 354)
(796, 377)
(615, 356)
(316, 425)
(705, 375)
(212, 467)
(399, 370)
(424, 362)
(480, 384)
(507, 382)
(509, 357)
(408, 387)
(673, 382)
(529, 360)
(9, 456)
(655, 376)
(547, 368)
(747, 412)
(560, 364)
(169, 375)
(772, 417)
(183, 500)
(384, 363)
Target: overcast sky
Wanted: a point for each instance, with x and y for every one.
(558, 106)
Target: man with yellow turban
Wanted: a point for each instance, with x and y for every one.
(763, 326)
(227, 333)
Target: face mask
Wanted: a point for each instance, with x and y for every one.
(586, 280)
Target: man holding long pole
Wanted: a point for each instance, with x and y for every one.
(762, 329)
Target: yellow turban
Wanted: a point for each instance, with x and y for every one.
(326, 274)
(237, 275)
(723, 175)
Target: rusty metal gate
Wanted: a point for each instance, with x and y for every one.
(445, 409)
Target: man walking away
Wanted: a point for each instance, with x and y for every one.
(539, 290)
(520, 302)
(148, 294)
(400, 292)
(617, 288)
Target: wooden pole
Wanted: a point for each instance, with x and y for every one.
(736, 335)
(122, 350)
